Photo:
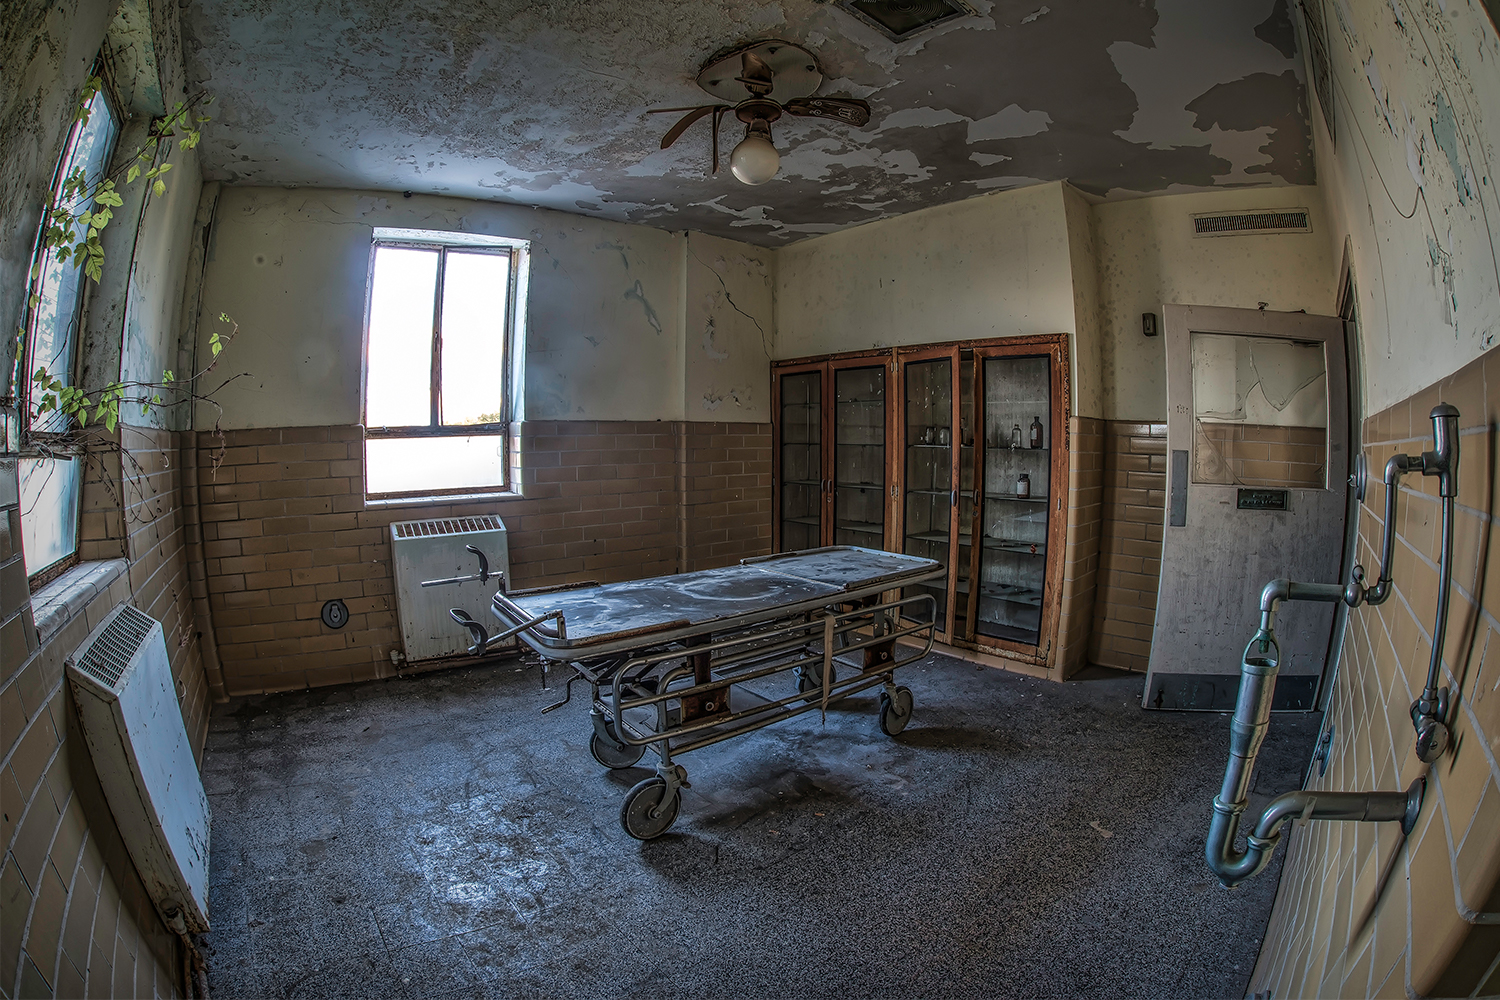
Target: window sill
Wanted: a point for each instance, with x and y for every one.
(66, 597)
(381, 503)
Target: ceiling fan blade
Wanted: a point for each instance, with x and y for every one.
(692, 107)
(844, 109)
(684, 122)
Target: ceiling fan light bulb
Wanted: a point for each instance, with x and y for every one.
(754, 160)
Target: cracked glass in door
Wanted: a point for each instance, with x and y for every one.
(929, 440)
(801, 461)
(859, 457)
(1017, 402)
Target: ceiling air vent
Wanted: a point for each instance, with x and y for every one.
(1285, 220)
(899, 20)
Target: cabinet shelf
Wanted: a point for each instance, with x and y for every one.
(1014, 499)
(1010, 593)
(1016, 546)
(867, 527)
(1014, 451)
(861, 402)
(928, 536)
(800, 482)
(860, 486)
(801, 520)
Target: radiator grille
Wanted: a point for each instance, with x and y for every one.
(1282, 221)
(111, 653)
(446, 526)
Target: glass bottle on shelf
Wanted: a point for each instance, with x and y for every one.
(1015, 436)
(1023, 485)
(1036, 432)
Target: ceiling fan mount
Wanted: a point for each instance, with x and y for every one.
(762, 80)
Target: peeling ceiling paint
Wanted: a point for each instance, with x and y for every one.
(546, 104)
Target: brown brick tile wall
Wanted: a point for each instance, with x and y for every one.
(1260, 455)
(726, 499)
(1081, 568)
(285, 528)
(1359, 911)
(1134, 504)
(76, 919)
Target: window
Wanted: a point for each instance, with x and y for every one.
(442, 362)
(51, 473)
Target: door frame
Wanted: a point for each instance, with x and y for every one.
(1055, 348)
(777, 371)
(919, 355)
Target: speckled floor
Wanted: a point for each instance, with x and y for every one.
(435, 837)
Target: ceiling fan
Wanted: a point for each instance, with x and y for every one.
(762, 80)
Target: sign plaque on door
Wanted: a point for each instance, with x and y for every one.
(1261, 500)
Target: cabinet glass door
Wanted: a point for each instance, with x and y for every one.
(1017, 404)
(859, 457)
(801, 461)
(928, 442)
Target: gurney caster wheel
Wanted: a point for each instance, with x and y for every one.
(644, 814)
(895, 713)
(810, 683)
(614, 755)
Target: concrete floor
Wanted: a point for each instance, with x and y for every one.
(435, 836)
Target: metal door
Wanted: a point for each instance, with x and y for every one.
(1257, 465)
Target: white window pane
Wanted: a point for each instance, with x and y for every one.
(55, 320)
(475, 288)
(403, 465)
(398, 379)
(49, 509)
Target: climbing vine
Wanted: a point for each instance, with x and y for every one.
(77, 214)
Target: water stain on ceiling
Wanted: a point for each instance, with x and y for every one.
(546, 104)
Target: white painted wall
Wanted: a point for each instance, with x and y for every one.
(609, 309)
(1412, 185)
(993, 266)
(729, 330)
(1148, 256)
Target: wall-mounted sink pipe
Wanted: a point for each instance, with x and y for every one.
(1247, 731)
(1261, 663)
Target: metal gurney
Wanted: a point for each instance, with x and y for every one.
(680, 662)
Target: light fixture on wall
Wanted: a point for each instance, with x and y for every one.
(764, 80)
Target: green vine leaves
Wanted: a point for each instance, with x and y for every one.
(71, 227)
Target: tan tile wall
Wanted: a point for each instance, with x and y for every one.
(1260, 455)
(1081, 566)
(1134, 506)
(76, 919)
(1361, 911)
(285, 528)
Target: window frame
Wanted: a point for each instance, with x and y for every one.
(517, 254)
(36, 443)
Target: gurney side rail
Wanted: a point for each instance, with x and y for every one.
(801, 632)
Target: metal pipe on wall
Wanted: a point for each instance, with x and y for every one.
(1262, 661)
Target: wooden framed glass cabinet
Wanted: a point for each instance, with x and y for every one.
(830, 464)
(955, 452)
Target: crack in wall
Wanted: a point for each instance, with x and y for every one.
(730, 299)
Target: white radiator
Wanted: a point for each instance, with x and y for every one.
(437, 550)
(127, 706)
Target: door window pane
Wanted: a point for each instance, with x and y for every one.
(398, 376)
(1017, 467)
(475, 289)
(1260, 412)
(859, 457)
(929, 448)
(801, 461)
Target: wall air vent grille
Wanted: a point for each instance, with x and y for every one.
(446, 526)
(899, 20)
(106, 660)
(1287, 220)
